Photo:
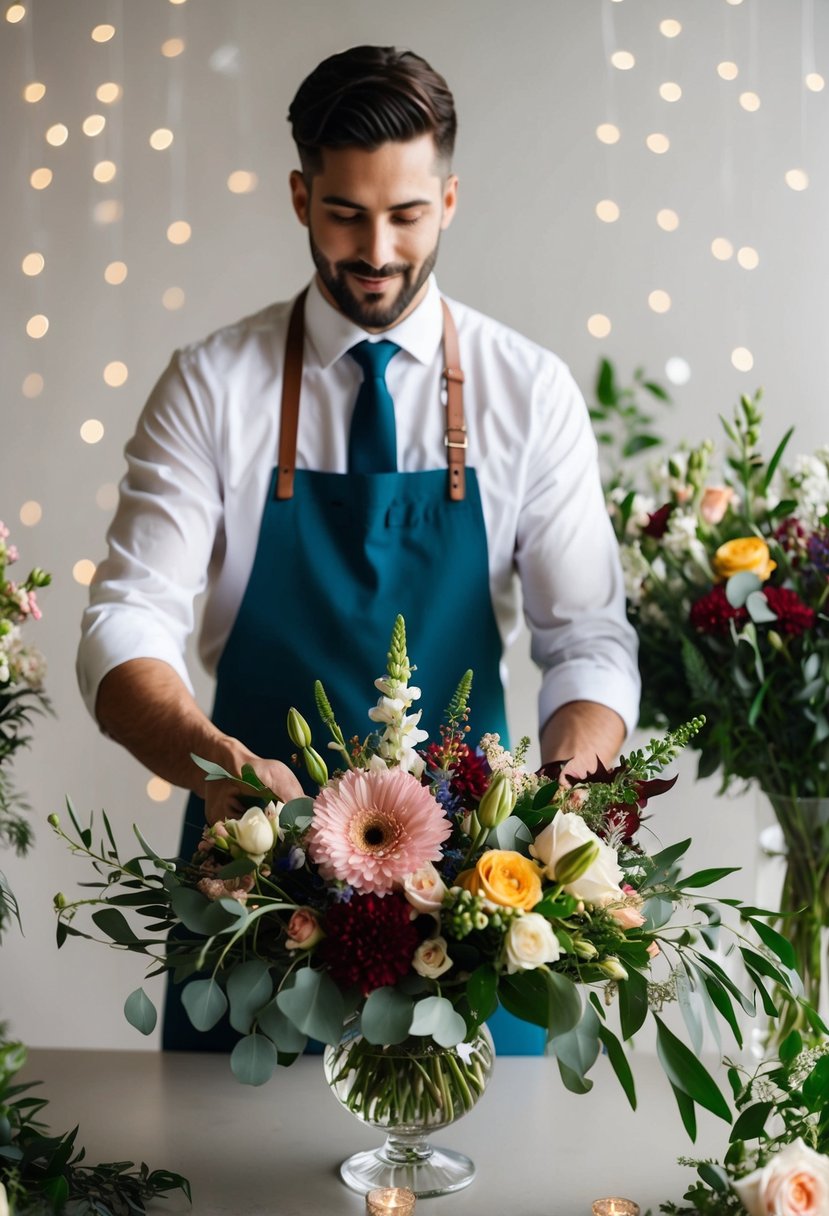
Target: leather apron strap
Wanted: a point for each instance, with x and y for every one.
(455, 435)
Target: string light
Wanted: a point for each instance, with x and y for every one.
(34, 92)
(31, 513)
(115, 373)
(742, 359)
(172, 47)
(607, 210)
(179, 232)
(670, 91)
(83, 571)
(242, 182)
(41, 178)
(32, 385)
(106, 496)
(623, 60)
(797, 179)
(103, 33)
(728, 70)
(598, 325)
(678, 370)
(92, 431)
(161, 139)
(659, 301)
(722, 248)
(608, 133)
(750, 101)
(748, 257)
(57, 135)
(667, 219)
(37, 325)
(815, 82)
(104, 171)
(158, 789)
(108, 92)
(33, 264)
(658, 143)
(93, 125)
(670, 28)
(115, 273)
(173, 298)
(107, 211)
(15, 13)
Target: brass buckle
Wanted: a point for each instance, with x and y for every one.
(454, 443)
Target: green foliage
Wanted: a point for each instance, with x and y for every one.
(45, 1173)
(624, 429)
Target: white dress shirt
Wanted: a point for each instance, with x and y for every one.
(201, 459)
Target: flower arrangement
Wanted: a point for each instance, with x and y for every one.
(422, 888)
(727, 573)
(777, 1160)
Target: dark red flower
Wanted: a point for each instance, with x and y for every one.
(657, 524)
(470, 772)
(369, 941)
(793, 616)
(712, 612)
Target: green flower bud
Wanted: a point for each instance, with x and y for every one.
(316, 766)
(775, 640)
(53, 820)
(575, 863)
(584, 949)
(299, 731)
(613, 969)
(60, 900)
(497, 803)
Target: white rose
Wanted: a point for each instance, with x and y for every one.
(795, 1182)
(252, 833)
(430, 958)
(601, 881)
(530, 942)
(424, 889)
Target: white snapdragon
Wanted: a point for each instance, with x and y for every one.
(400, 739)
(635, 569)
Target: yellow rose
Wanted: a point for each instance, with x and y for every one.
(747, 553)
(505, 878)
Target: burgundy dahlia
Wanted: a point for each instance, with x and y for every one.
(369, 941)
(793, 616)
(712, 612)
(470, 772)
(657, 524)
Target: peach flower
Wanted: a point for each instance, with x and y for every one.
(794, 1182)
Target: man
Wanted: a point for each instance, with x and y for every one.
(311, 528)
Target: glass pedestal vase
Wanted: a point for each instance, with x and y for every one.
(408, 1090)
(794, 877)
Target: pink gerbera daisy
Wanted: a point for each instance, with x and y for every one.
(373, 827)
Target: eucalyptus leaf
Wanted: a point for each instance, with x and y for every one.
(253, 1059)
(578, 1048)
(565, 1011)
(249, 988)
(140, 1012)
(690, 1006)
(633, 1003)
(302, 807)
(204, 1002)
(214, 772)
(314, 1004)
(482, 992)
(740, 586)
(619, 1062)
(512, 834)
(387, 1016)
(435, 1016)
(759, 609)
(281, 1030)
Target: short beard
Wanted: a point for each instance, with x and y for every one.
(368, 315)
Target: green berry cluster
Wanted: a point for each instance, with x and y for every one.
(464, 913)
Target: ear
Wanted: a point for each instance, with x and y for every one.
(450, 200)
(300, 196)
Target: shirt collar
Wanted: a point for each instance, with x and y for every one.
(331, 333)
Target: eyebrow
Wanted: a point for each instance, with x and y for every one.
(334, 200)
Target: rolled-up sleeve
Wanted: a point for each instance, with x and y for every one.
(568, 560)
(163, 538)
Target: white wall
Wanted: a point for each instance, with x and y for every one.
(532, 82)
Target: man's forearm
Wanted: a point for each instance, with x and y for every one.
(579, 732)
(144, 705)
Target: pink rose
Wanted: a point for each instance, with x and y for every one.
(627, 917)
(424, 889)
(303, 930)
(653, 949)
(794, 1182)
(714, 504)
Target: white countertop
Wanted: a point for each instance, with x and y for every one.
(274, 1150)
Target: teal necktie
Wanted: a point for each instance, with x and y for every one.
(372, 443)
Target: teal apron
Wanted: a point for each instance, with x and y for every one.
(335, 562)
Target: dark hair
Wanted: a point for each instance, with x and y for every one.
(365, 97)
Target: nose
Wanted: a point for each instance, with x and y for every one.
(378, 249)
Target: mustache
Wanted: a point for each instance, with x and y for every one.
(369, 272)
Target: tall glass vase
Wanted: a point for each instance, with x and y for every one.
(408, 1090)
(802, 843)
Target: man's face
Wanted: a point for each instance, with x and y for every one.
(374, 221)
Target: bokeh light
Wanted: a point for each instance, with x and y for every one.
(179, 232)
(623, 60)
(742, 359)
(241, 181)
(658, 143)
(93, 125)
(750, 101)
(172, 47)
(33, 264)
(608, 133)
(115, 373)
(108, 92)
(678, 370)
(670, 91)
(173, 298)
(30, 513)
(115, 273)
(57, 134)
(607, 210)
(667, 219)
(83, 571)
(103, 33)
(92, 431)
(598, 326)
(37, 325)
(34, 91)
(41, 178)
(104, 171)
(158, 789)
(748, 257)
(32, 385)
(659, 301)
(797, 179)
(728, 70)
(722, 248)
(161, 139)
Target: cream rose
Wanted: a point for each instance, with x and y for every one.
(795, 1182)
(424, 889)
(430, 958)
(600, 884)
(253, 833)
(529, 943)
(303, 930)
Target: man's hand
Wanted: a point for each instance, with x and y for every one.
(579, 732)
(224, 799)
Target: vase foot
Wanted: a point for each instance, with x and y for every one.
(442, 1172)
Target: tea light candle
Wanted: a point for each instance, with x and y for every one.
(390, 1201)
(615, 1207)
